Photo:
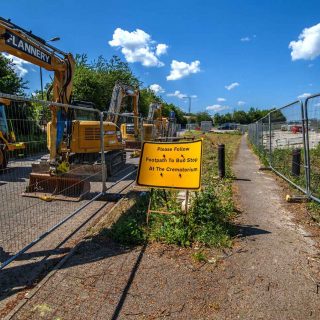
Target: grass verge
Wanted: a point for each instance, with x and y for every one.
(208, 221)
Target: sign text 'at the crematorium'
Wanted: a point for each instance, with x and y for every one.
(171, 165)
(20, 44)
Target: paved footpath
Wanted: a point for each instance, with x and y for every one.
(271, 278)
(267, 276)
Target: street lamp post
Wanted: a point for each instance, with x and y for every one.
(188, 97)
(41, 82)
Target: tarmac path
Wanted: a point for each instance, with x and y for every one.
(270, 279)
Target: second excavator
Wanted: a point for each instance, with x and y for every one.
(127, 121)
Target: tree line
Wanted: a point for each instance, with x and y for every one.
(247, 117)
(94, 82)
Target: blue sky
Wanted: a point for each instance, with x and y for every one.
(215, 44)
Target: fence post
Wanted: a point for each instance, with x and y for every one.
(296, 162)
(103, 160)
(270, 141)
(305, 132)
(262, 132)
(221, 161)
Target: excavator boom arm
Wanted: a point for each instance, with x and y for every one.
(119, 92)
(24, 45)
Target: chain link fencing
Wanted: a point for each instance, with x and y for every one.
(288, 141)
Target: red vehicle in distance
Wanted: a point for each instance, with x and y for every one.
(296, 128)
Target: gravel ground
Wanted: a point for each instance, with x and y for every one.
(266, 275)
(22, 219)
(26, 222)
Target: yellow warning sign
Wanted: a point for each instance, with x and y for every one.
(171, 165)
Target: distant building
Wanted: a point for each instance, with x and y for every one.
(229, 126)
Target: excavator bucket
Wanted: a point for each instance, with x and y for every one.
(64, 187)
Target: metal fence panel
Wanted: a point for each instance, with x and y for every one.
(312, 109)
(287, 155)
(24, 217)
(282, 139)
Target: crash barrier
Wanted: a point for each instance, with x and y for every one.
(288, 139)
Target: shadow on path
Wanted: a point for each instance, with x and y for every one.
(128, 285)
(249, 230)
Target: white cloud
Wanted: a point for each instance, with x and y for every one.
(19, 64)
(245, 39)
(137, 46)
(241, 103)
(156, 88)
(161, 49)
(180, 69)
(232, 85)
(304, 95)
(308, 45)
(181, 95)
(217, 108)
(221, 99)
(177, 94)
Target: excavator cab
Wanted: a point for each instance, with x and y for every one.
(83, 115)
(129, 131)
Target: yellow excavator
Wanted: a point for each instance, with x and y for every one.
(8, 141)
(156, 125)
(73, 139)
(127, 121)
(152, 127)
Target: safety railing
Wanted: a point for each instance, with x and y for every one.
(288, 140)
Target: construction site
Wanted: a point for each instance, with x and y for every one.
(122, 200)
